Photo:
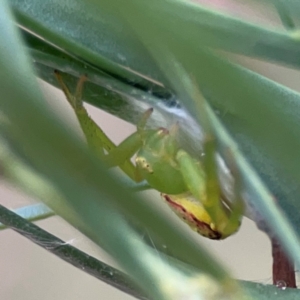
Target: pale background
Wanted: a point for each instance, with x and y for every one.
(29, 272)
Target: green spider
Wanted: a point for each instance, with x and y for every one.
(192, 193)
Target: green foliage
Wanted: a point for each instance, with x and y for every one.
(149, 56)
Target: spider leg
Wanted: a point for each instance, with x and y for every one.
(97, 140)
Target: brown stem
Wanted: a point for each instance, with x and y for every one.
(283, 269)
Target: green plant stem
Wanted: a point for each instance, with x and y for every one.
(70, 254)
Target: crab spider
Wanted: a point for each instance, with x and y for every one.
(191, 192)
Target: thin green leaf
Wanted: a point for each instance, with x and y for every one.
(284, 14)
(33, 212)
(104, 41)
(68, 253)
(266, 292)
(106, 273)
